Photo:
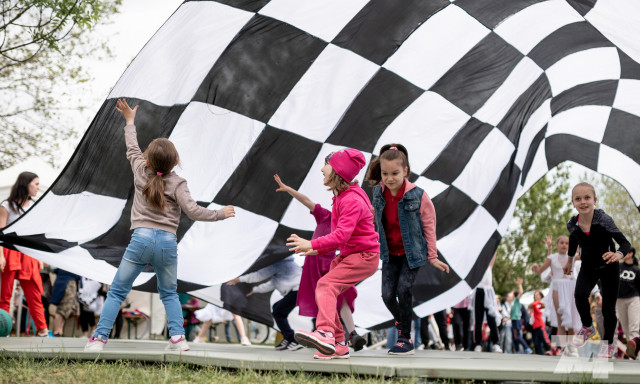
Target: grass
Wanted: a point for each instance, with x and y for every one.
(59, 370)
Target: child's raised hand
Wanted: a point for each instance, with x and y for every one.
(282, 186)
(299, 244)
(519, 280)
(128, 113)
(440, 265)
(229, 211)
(548, 241)
(534, 268)
(611, 257)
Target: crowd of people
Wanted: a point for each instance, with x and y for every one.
(397, 228)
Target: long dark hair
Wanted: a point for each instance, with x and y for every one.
(20, 191)
(634, 257)
(162, 156)
(374, 174)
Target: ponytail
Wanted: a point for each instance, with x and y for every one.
(161, 157)
(374, 174)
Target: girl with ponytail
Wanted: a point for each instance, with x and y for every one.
(160, 196)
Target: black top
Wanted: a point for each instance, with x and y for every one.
(598, 241)
(629, 281)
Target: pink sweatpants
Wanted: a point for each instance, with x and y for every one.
(345, 272)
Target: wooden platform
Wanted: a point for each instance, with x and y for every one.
(425, 364)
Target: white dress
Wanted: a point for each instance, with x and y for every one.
(213, 313)
(565, 285)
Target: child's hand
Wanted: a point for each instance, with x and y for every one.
(250, 293)
(229, 211)
(282, 186)
(299, 244)
(534, 268)
(233, 281)
(519, 280)
(611, 257)
(549, 242)
(310, 253)
(568, 266)
(440, 265)
(128, 113)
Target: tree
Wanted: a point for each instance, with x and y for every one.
(41, 44)
(614, 199)
(542, 211)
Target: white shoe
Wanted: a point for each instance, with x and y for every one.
(245, 340)
(180, 345)
(478, 348)
(199, 340)
(496, 348)
(95, 344)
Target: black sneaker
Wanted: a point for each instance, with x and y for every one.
(283, 345)
(357, 342)
(402, 347)
(293, 346)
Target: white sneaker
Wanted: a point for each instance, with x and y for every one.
(95, 344)
(478, 348)
(496, 348)
(245, 340)
(199, 340)
(180, 345)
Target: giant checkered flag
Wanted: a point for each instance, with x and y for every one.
(486, 95)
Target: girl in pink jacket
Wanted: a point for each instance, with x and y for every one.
(353, 233)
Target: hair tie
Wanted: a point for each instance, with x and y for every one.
(159, 173)
(396, 148)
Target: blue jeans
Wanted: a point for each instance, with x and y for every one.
(148, 246)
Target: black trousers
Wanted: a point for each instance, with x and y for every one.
(461, 323)
(281, 310)
(441, 321)
(609, 277)
(397, 283)
(480, 310)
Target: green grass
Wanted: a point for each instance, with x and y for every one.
(59, 370)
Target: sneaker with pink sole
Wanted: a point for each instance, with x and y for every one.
(95, 344)
(606, 350)
(583, 335)
(178, 345)
(342, 352)
(322, 341)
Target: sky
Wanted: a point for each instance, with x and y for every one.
(126, 34)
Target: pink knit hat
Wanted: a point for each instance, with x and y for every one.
(347, 163)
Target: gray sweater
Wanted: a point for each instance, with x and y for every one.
(177, 195)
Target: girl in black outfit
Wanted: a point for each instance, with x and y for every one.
(594, 230)
(628, 306)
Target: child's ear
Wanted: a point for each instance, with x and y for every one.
(147, 163)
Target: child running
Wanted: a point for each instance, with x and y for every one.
(317, 266)
(353, 233)
(595, 231)
(406, 224)
(160, 194)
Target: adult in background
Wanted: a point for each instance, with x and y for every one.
(628, 304)
(65, 297)
(17, 265)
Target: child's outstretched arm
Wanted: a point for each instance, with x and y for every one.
(127, 112)
(428, 218)
(520, 289)
(539, 269)
(282, 187)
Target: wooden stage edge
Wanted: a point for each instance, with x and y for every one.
(424, 364)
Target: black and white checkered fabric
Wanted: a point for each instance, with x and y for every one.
(487, 96)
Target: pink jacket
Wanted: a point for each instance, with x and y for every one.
(352, 228)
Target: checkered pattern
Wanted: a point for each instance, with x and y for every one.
(487, 96)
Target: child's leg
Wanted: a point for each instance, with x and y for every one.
(478, 310)
(345, 272)
(281, 310)
(347, 317)
(610, 280)
(390, 278)
(120, 288)
(585, 282)
(405, 297)
(204, 329)
(165, 264)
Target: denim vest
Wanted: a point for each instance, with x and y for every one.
(415, 245)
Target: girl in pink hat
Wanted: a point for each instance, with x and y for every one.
(353, 233)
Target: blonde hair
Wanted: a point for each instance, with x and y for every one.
(337, 184)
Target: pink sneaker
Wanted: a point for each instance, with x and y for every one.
(583, 335)
(95, 344)
(342, 352)
(318, 340)
(606, 350)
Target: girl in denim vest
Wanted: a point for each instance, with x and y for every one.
(159, 197)
(353, 233)
(406, 223)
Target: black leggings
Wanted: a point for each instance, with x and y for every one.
(609, 277)
(479, 311)
(461, 323)
(397, 282)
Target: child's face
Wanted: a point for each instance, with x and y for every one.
(537, 296)
(327, 171)
(510, 297)
(393, 173)
(563, 245)
(583, 199)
